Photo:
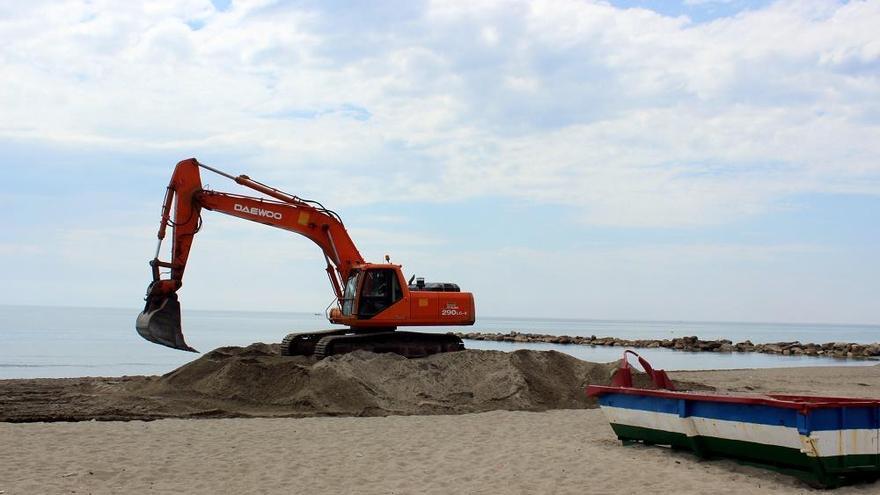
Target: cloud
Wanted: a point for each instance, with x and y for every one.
(706, 2)
(628, 116)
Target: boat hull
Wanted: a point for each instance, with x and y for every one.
(827, 441)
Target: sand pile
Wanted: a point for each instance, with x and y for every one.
(368, 384)
(258, 381)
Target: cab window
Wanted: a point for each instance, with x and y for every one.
(348, 295)
(379, 290)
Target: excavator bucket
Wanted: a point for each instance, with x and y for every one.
(159, 323)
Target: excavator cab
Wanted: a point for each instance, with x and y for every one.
(377, 296)
(369, 292)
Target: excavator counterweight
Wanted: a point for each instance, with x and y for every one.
(372, 300)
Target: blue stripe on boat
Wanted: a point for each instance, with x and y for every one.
(839, 418)
(640, 402)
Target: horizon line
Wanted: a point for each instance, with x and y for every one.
(495, 317)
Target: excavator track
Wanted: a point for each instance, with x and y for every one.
(303, 343)
(407, 344)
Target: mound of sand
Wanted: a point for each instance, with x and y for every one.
(258, 381)
(368, 384)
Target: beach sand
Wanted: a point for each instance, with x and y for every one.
(557, 451)
(566, 451)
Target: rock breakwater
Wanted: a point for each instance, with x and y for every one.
(692, 344)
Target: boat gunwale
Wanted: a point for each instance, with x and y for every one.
(799, 402)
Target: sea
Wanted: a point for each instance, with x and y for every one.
(57, 342)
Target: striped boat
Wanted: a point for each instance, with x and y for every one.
(827, 441)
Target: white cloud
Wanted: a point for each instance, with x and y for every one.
(706, 2)
(628, 116)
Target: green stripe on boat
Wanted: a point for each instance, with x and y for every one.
(828, 471)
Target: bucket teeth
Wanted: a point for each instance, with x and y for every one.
(160, 323)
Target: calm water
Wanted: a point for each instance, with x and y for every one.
(65, 342)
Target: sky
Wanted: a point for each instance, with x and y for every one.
(685, 160)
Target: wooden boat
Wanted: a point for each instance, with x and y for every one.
(827, 441)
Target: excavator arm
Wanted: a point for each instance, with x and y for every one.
(181, 209)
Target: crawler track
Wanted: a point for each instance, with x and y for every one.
(303, 343)
(407, 344)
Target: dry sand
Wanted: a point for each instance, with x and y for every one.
(845, 381)
(556, 451)
(566, 451)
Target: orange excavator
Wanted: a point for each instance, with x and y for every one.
(372, 299)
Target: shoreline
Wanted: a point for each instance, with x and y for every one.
(841, 350)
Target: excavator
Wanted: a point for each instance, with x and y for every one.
(371, 299)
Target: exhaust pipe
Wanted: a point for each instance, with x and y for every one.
(159, 322)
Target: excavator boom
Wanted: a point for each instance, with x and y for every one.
(371, 298)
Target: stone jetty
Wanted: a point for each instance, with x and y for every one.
(691, 344)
